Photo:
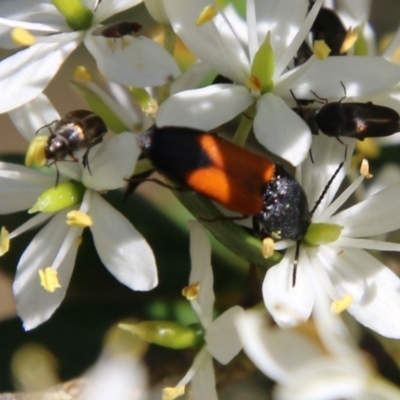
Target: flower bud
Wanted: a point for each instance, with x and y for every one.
(57, 198)
(167, 333)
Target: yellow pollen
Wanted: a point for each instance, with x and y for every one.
(171, 393)
(321, 50)
(191, 291)
(268, 247)
(49, 279)
(253, 83)
(22, 37)
(349, 40)
(81, 74)
(364, 169)
(208, 13)
(4, 241)
(342, 304)
(77, 218)
(35, 153)
(79, 241)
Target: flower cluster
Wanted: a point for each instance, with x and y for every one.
(305, 81)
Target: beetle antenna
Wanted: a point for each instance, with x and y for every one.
(326, 188)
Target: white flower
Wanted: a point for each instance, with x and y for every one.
(221, 339)
(120, 246)
(341, 264)
(318, 361)
(276, 126)
(25, 74)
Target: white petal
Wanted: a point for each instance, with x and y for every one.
(112, 163)
(373, 216)
(203, 382)
(325, 378)
(108, 8)
(281, 130)
(121, 248)
(20, 187)
(191, 78)
(26, 74)
(357, 73)
(204, 108)
(34, 304)
(133, 61)
(282, 18)
(222, 339)
(287, 304)
(387, 176)
(276, 352)
(213, 43)
(314, 175)
(115, 377)
(201, 272)
(374, 287)
(32, 116)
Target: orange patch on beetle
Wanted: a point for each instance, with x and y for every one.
(235, 178)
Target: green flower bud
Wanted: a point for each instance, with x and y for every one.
(322, 233)
(262, 68)
(56, 198)
(167, 333)
(78, 16)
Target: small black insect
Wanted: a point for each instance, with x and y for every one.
(118, 30)
(328, 27)
(79, 129)
(354, 120)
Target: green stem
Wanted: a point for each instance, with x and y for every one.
(244, 128)
(231, 235)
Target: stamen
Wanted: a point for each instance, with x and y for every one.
(4, 241)
(321, 50)
(77, 218)
(81, 74)
(349, 40)
(49, 279)
(22, 37)
(171, 393)
(191, 291)
(253, 83)
(364, 169)
(268, 247)
(35, 153)
(342, 304)
(208, 13)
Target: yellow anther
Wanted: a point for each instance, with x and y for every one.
(342, 304)
(171, 393)
(22, 37)
(49, 279)
(364, 169)
(81, 74)
(191, 291)
(349, 40)
(321, 50)
(4, 241)
(253, 83)
(208, 13)
(77, 218)
(268, 247)
(35, 153)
